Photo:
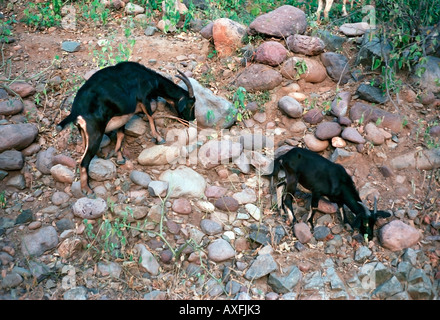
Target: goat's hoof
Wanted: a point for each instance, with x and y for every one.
(121, 161)
(162, 141)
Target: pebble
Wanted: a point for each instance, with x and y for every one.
(210, 227)
(220, 250)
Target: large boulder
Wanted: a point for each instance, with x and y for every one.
(281, 22)
(259, 77)
(227, 36)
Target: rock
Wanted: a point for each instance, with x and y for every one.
(206, 31)
(17, 182)
(354, 29)
(290, 106)
(272, 53)
(17, 136)
(261, 266)
(371, 94)
(337, 67)
(215, 152)
(62, 174)
(422, 160)
(101, 169)
(86, 208)
(372, 47)
(254, 211)
(211, 111)
(285, 281)
(373, 134)
(258, 77)
(11, 160)
(246, 196)
(302, 232)
(352, 135)
(321, 232)
(133, 9)
(362, 254)
(76, 293)
(428, 79)
(35, 244)
(327, 130)
(215, 192)
(266, 236)
(227, 204)
(45, 160)
(303, 68)
(70, 46)
(11, 107)
(281, 22)
(148, 261)
(388, 289)
(64, 160)
(135, 127)
(23, 89)
(220, 250)
(182, 206)
(371, 114)
(158, 188)
(315, 144)
(262, 164)
(184, 182)
(210, 227)
(227, 35)
(159, 155)
(397, 235)
(306, 45)
(332, 42)
(419, 285)
(256, 141)
(313, 116)
(59, 197)
(11, 280)
(140, 178)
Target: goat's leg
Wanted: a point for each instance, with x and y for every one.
(313, 208)
(118, 148)
(328, 6)
(159, 139)
(318, 11)
(344, 7)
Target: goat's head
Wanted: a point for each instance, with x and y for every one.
(367, 220)
(185, 105)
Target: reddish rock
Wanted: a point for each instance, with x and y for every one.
(10, 107)
(397, 235)
(302, 232)
(227, 204)
(17, 136)
(182, 206)
(227, 36)
(271, 52)
(23, 89)
(327, 130)
(315, 71)
(259, 77)
(302, 44)
(313, 116)
(215, 192)
(281, 22)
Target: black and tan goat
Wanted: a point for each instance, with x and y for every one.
(322, 178)
(111, 96)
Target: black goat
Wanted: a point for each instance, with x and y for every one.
(111, 96)
(323, 178)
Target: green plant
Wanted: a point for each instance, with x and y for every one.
(44, 14)
(238, 110)
(110, 53)
(3, 199)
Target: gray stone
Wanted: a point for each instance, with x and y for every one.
(285, 281)
(148, 261)
(321, 232)
(11, 160)
(216, 152)
(17, 136)
(337, 66)
(332, 42)
(210, 227)
(11, 107)
(70, 46)
(428, 79)
(158, 188)
(261, 266)
(327, 130)
(86, 208)
(184, 182)
(37, 243)
(362, 254)
(371, 94)
(220, 250)
(77, 293)
(290, 106)
(388, 289)
(140, 178)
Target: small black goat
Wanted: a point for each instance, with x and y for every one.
(111, 96)
(323, 178)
